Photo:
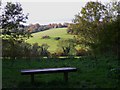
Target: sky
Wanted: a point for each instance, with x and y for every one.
(51, 11)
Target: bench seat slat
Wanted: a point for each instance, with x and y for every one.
(47, 70)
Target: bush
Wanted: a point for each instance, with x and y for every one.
(114, 73)
(23, 50)
(16, 49)
(46, 37)
(57, 38)
(81, 52)
(67, 46)
(59, 52)
(35, 50)
(44, 50)
(54, 55)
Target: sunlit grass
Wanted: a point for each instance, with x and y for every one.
(57, 32)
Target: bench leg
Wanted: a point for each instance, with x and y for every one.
(32, 78)
(66, 76)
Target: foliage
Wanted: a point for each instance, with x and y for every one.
(108, 37)
(23, 50)
(114, 73)
(70, 29)
(12, 22)
(35, 50)
(67, 46)
(33, 28)
(97, 27)
(87, 22)
(88, 75)
(57, 38)
(44, 50)
(14, 32)
(59, 52)
(113, 10)
(81, 52)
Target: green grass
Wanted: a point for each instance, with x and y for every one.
(90, 74)
(58, 32)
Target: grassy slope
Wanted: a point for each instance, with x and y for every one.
(90, 74)
(58, 32)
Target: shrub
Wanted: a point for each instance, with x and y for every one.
(81, 52)
(114, 73)
(23, 50)
(67, 46)
(46, 37)
(57, 38)
(53, 55)
(35, 50)
(44, 50)
(59, 52)
(16, 50)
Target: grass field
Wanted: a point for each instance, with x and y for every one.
(92, 73)
(58, 32)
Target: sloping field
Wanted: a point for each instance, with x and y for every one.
(52, 33)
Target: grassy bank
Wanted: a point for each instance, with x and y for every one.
(92, 73)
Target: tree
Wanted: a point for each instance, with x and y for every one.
(96, 27)
(90, 17)
(113, 10)
(12, 22)
(13, 29)
(109, 35)
(87, 23)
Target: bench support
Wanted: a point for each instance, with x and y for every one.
(32, 78)
(66, 76)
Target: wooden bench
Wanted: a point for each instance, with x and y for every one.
(64, 70)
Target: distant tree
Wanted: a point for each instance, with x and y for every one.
(59, 25)
(65, 24)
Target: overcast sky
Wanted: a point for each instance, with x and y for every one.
(54, 12)
(44, 12)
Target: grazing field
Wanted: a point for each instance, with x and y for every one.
(92, 73)
(53, 33)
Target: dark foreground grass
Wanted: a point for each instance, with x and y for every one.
(92, 73)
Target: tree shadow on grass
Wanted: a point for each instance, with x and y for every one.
(44, 84)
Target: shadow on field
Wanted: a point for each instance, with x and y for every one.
(43, 84)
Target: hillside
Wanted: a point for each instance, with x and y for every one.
(53, 33)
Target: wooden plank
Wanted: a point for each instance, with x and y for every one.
(48, 70)
(64, 70)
